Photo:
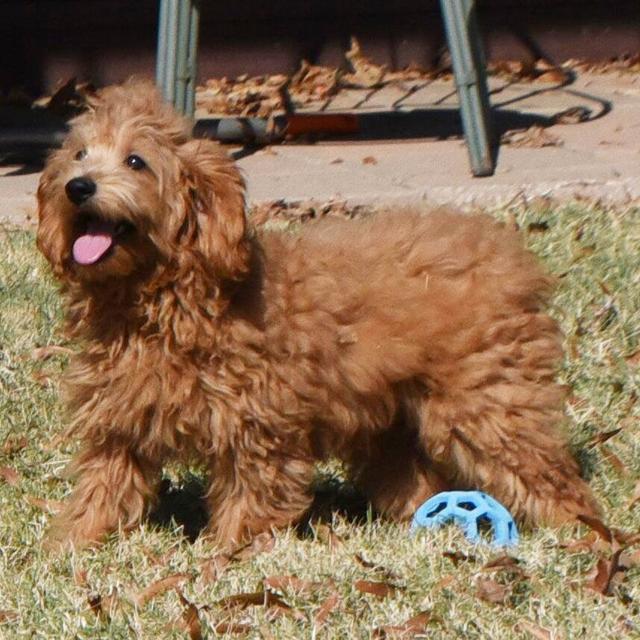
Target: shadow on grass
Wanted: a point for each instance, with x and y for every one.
(185, 505)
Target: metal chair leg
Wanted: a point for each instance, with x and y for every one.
(177, 52)
(471, 82)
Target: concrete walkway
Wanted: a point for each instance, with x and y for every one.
(427, 160)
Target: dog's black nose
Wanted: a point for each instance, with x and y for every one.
(80, 189)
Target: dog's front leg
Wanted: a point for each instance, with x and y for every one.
(255, 489)
(112, 490)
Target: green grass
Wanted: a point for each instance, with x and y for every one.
(594, 250)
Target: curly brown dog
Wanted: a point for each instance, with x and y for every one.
(414, 347)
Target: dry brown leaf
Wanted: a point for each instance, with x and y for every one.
(366, 74)
(538, 227)
(378, 568)
(590, 542)
(535, 630)
(572, 115)
(635, 496)
(535, 137)
(251, 599)
(595, 524)
(502, 562)
(261, 543)
(312, 83)
(606, 574)
(489, 590)
(378, 589)
(50, 506)
(13, 444)
(10, 476)
(225, 628)
(445, 581)
(44, 353)
(212, 569)
(158, 588)
(415, 625)
(94, 600)
(633, 358)
(190, 618)
(554, 76)
(600, 438)
(369, 160)
(290, 583)
(7, 616)
(41, 378)
(329, 604)
(457, 557)
(614, 460)
(80, 578)
(328, 536)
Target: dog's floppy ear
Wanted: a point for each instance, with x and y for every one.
(51, 235)
(212, 218)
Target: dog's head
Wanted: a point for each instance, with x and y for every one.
(130, 192)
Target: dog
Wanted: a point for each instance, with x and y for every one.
(414, 347)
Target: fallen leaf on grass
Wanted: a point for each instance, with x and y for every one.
(328, 536)
(633, 358)
(635, 497)
(329, 604)
(535, 631)
(7, 616)
(50, 506)
(503, 562)
(538, 227)
(13, 445)
(290, 583)
(261, 543)
(601, 438)
(491, 591)
(212, 569)
(595, 524)
(224, 628)
(457, 557)
(413, 626)
(251, 599)
(158, 588)
(50, 350)
(445, 581)
(378, 589)
(614, 460)
(190, 618)
(10, 476)
(378, 568)
(606, 574)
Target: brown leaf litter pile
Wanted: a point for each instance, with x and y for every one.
(503, 581)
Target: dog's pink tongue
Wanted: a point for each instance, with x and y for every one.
(94, 243)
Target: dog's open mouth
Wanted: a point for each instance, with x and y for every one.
(96, 238)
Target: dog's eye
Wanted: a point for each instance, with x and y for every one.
(135, 162)
(81, 155)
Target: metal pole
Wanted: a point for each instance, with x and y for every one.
(177, 52)
(471, 82)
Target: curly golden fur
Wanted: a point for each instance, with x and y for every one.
(414, 347)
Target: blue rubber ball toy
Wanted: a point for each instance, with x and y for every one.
(469, 510)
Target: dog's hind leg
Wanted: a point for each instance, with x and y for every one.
(113, 490)
(491, 419)
(393, 471)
